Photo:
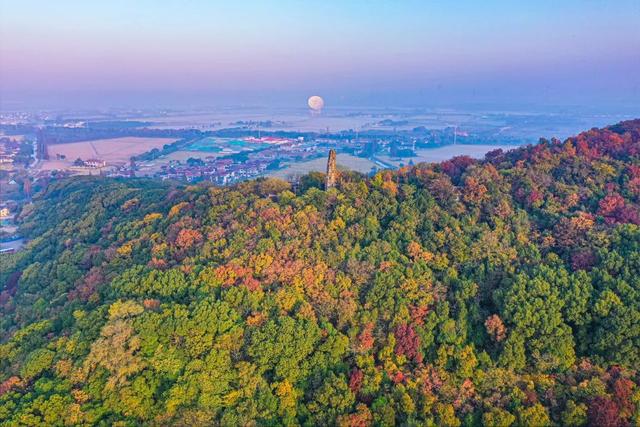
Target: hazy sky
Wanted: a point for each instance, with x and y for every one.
(397, 53)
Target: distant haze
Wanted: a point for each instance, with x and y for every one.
(276, 53)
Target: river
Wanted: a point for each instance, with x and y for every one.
(439, 154)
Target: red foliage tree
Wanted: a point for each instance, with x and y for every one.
(418, 313)
(628, 214)
(407, 343)
(622, 395)
(474, 191)
(187, 238)
(398, 377)
(614, 209)
(355, 380)
(634, 186)
(156, 263)
(603, 412)
(365, 338)
(361, 418)
(151, 304)
(88, 285)
(456, 166)
(583, 259)
(610, 204)
(495, 327)
(10, 287)
(9, 383)
(535, 197)
(251, 283)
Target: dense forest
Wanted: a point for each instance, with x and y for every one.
(497, 292)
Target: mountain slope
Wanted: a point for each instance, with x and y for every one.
(495, 292)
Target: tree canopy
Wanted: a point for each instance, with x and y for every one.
(497, 292)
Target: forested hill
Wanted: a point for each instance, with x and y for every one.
(497, 292)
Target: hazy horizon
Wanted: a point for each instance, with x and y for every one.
(77, 54)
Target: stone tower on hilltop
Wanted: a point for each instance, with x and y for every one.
(332, 171)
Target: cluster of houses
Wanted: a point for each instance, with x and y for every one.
(222, 172)
(240, 166)
(9, 148)
(236, 166)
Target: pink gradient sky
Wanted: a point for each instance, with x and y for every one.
(407, 51)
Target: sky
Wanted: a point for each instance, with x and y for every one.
(352, 52)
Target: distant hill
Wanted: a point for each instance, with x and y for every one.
(497, 292)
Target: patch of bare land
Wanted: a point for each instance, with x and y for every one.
(113, 151)
(54, 164)
(50, 165)
(345, 161)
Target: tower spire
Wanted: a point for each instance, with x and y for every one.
(332, 171)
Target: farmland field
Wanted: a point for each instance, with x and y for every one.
(223, 145)
(148, 168)
(114, 150)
